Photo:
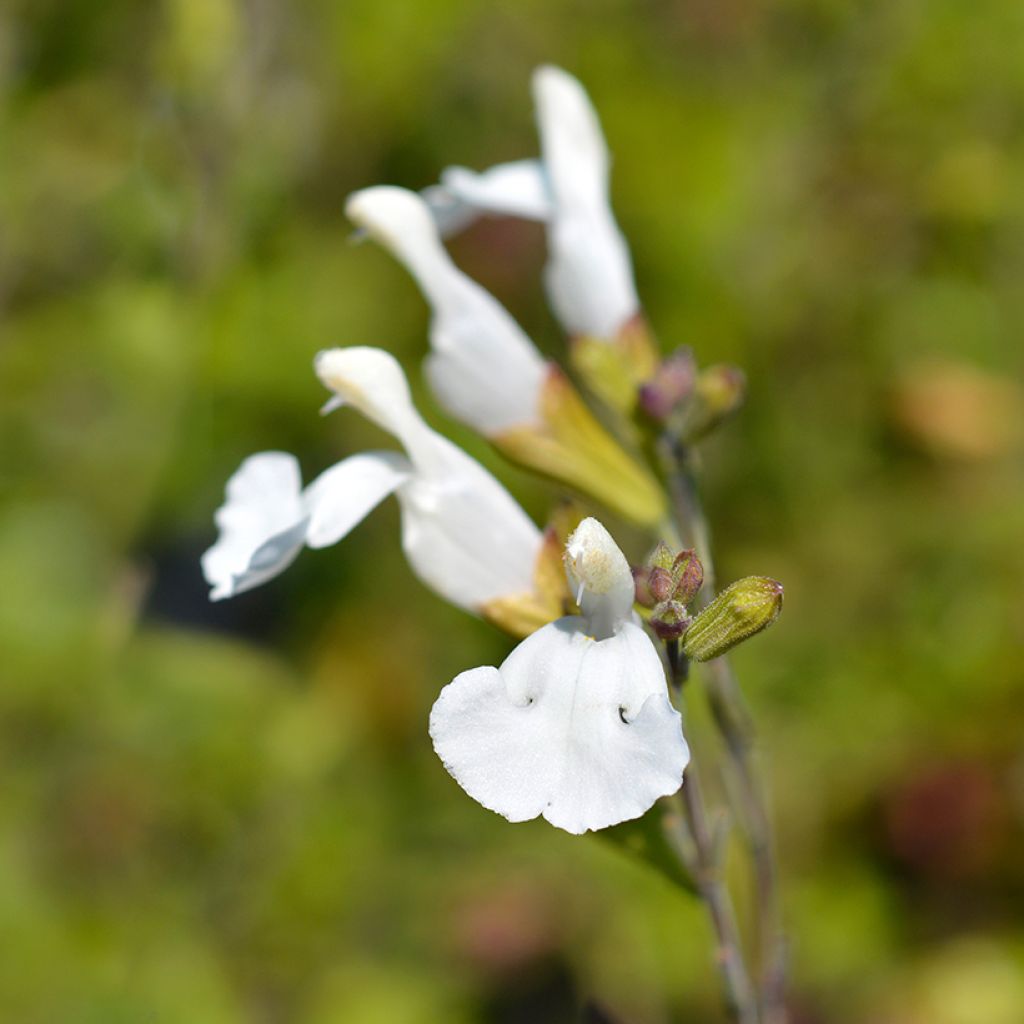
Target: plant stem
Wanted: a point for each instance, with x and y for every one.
(739, 991)
(734, 723)
(700, 853)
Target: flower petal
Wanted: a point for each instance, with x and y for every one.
(600, 578)
(517, 189)
(340, 497)
(589, 276)
(372, 381)
(484, 370)
(578, 730)
(262, 525)
(465, 536)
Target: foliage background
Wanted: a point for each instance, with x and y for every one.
(229, 813)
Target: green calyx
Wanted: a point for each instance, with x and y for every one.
(744, 608)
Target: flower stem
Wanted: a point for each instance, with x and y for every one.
(735, 726)
(740, 996)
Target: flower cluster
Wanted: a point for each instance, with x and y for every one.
(576, 725)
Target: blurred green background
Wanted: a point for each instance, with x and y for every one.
(231, 813)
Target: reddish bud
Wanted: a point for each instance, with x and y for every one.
(688, 573)
(662, 584)
(669, 620)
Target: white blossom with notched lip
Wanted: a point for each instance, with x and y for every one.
(464, 535)
(482, 367)
(576, 725)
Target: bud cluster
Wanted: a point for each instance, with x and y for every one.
(691, 401)
(666, 584)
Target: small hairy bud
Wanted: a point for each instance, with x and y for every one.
(662, 557)
(668, 576)
(671, 384)
(669, 620)
(641, 584)
(718, 393)
(688, 574)
(661, 584)
(741, 610)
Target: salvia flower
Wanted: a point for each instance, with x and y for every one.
(488, 374)
(576, 725)
(482, 367)
(462, 532)
(518, 189)
(589, 275)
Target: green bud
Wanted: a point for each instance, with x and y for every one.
(662, 557)
(741, 610)
(719, 392)
(669, 620)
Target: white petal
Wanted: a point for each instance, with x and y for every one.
(589, 276)
(262, 525)
(341, 496)
(451, 213)
(464, 534)
(372, 381)
(578, 730)
(517, 189)
(600, 578)
(484, 370)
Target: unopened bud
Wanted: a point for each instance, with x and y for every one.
(688, 574)
(662, 557)
(718, 393)
(641, 585)
(672, 382)
(669, 620)
(741, 610)
(668, 576)
(661, 584)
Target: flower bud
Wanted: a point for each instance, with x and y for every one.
(673, 381)
(661, 584)
(662, 557)
(741, 610)
(668, 575)
(641, 576)
(718, 393)
(688, 574)
(669, 620)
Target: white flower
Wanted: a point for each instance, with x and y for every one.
(589, 276)
(576, 725)
(463, 533)
(517, 189)
(483, 368)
